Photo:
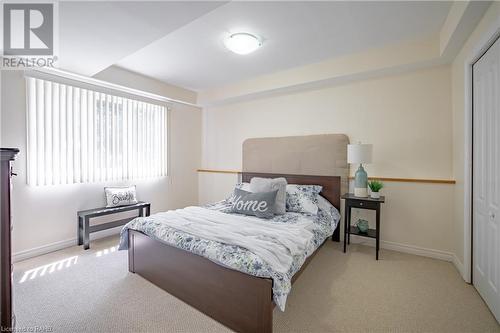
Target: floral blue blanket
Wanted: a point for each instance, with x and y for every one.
(235, 257)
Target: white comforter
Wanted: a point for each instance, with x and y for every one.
(275, 243)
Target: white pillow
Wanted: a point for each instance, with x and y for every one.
(258, 184)
(120, 196)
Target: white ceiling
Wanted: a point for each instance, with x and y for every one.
(95, 35)
(182, 43)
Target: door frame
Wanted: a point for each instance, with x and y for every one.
(480, 48)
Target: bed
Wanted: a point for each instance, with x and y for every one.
(236, 299)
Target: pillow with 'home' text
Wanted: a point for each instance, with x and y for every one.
(260, 204)
(241, 186)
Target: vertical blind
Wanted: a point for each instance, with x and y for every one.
(78, 135)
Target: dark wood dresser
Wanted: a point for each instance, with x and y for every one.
(7, 155)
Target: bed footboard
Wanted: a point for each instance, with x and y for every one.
(240, 301)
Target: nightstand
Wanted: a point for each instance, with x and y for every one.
(352, 201)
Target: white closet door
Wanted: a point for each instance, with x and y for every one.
(486, 187)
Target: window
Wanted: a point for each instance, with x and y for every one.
(78, 135)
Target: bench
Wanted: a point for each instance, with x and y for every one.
(84, 216)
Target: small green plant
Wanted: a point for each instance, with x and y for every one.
(375, 185)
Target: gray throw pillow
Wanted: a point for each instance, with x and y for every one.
(258, 184)
(256, 204)
(241, 186)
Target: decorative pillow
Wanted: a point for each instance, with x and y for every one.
(302, 198)
(242, 186)
(256, 204)
(258, 184)
(120, 196)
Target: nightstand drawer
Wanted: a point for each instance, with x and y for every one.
(362, 204)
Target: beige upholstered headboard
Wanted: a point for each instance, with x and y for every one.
(322, 155)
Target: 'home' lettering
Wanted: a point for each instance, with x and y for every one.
(253, 205)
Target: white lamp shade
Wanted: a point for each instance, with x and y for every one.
(359, 153)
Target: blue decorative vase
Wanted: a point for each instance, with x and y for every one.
(361, 182)
(362, 226)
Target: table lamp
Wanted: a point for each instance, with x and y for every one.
(359, 154)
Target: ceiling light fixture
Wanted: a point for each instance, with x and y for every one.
(242, 43)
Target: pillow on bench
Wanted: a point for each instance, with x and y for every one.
(120, 196)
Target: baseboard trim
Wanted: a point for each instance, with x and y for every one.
(44, 249)
(56, 246)
(410, 249)
(460, 267)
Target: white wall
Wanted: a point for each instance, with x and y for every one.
(407, 118)
(45, 217)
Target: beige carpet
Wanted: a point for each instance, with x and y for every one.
(92, 291)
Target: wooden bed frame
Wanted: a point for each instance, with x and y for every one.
(239, 301)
